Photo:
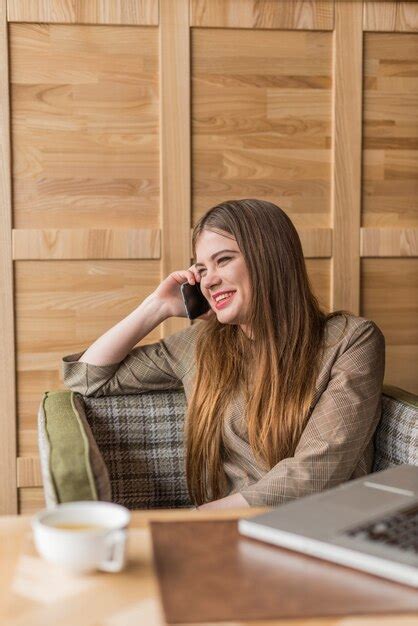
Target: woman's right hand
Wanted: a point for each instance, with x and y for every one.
(169, 293)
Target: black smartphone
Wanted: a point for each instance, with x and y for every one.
(194, 300)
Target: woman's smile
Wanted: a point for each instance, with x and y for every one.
(224, 300)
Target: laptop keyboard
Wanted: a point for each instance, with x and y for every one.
(399, 530)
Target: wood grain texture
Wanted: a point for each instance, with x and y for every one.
(389, 242)
(347, 113)
(29, 472)
(78, 243)
(143, 12)
(390, 131)
(8, 495)
(261, 123)
(402, 366)
(128, 599)
(209, 573)
(319, 272)
(175, 142)
(85, 126)
(316, 242)
(31, 500)
(389, 288)
(274, 14)
(61, 308)
(390, 15)
(390, 298)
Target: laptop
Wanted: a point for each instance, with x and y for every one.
(370, 524)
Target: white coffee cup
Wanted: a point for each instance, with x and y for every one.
(83, 536)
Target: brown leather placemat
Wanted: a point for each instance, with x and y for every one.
(207, 572)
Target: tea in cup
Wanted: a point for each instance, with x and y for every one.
(83, 536)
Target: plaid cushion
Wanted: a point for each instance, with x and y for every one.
(142, 442)
(396, 438)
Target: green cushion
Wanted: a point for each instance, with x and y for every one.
(69, 461)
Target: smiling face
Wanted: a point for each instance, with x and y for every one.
(222, 268)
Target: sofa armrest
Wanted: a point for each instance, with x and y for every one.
(396, 437)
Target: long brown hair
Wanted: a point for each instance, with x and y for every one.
(276, 369)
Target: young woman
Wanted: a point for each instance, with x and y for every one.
(283, 399)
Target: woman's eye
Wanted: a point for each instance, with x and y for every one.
(224, 258)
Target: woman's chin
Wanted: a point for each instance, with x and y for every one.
(228, 319)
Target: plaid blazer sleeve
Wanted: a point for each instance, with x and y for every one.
(339, 429)
(152, 367)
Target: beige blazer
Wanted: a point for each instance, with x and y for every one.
(337, 442)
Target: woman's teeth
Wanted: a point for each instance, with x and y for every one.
(224, 296)
(222, 299)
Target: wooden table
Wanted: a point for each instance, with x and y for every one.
(35, 593)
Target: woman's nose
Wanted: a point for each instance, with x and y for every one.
(210, 280)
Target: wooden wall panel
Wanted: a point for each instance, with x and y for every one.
(316, 242)
(346, 208)
(175, 142)
(319, 272)
(85, 126)
(31, 500)
(296, 14)
(390, 298)
(8, 494)
(390, 15)
(389, 242)
(144, 12)
(29, 473)
(261, 120)
(61, 308)
(87, 243)
(389, 188)
(85, 138)
(390, 130)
